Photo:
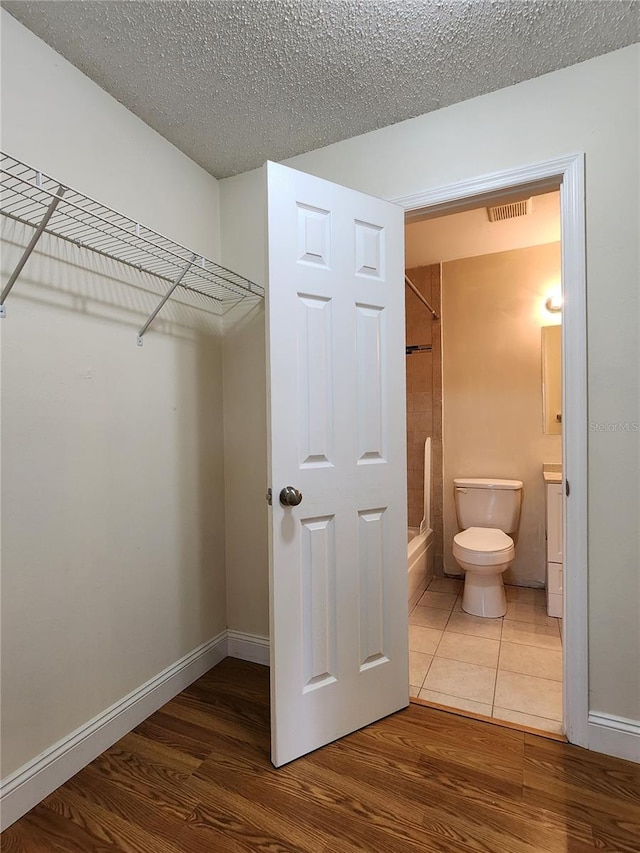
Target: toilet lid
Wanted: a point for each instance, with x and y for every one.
(483, 539)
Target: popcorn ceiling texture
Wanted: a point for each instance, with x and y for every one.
(232, 83)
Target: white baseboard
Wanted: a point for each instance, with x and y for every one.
(614, 736)
(250, 647)
(25, 788)
(30, 784)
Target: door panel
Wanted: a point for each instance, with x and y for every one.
(338, 562)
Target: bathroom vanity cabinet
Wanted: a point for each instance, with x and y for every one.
(554, 545)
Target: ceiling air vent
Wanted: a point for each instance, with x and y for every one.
(509, 211)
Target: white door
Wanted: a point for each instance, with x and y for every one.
(338, 559)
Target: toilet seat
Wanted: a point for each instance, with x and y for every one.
(483, 546)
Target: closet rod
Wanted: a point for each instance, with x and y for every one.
(415, 290)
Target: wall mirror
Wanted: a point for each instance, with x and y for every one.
(552, 379)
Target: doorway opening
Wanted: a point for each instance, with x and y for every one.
(474, 664)
(475, 387)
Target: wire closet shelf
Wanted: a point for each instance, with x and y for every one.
(29, 196)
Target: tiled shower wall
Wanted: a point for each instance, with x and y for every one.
(424, 401)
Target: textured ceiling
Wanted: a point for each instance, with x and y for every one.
(235, 82)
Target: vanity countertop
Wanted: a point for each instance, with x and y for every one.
(552, 472)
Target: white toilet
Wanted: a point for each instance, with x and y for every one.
(487, 510)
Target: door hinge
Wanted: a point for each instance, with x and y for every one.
(269, 497)
(567, 488)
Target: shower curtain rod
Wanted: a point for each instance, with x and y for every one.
(415, 290)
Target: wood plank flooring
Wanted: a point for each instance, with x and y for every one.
(196, 777)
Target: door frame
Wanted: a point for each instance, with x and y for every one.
(565, 174)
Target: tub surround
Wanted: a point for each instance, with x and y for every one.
(424, 403)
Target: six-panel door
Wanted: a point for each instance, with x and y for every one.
(338, 570)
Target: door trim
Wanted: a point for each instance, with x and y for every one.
(566, 174)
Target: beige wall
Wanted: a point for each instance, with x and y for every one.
(590, 107)
(112, 455)
(467, 234)
(492, 309)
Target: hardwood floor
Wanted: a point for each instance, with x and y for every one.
(196, 777)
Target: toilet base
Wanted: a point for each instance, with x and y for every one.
(483, 595)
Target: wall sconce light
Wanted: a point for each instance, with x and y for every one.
(554, 303)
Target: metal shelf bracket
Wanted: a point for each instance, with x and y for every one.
(27, 252)
(164, 299)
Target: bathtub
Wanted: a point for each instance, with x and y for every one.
(419, 561)
(420, 540)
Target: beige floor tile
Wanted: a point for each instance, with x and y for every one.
(530, 660)
(529, 720)
(466, 680)
(415, 598)
(423, 640)
(526, 595)
(441, 600)
(458, 605)
(429, 617)
(476, 626)
(455, 702)
(540, 697)
(419, 664)
(530, 634)
(414, 691)
(464, 647)
(517, 611)
(445, 585)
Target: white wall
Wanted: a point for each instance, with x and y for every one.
(492, 312)
(55, 118)
(112, 455)
(243, 234)
(591, 107)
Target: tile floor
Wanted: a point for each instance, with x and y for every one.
(508, 668)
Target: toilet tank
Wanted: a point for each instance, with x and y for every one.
(487, 502)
